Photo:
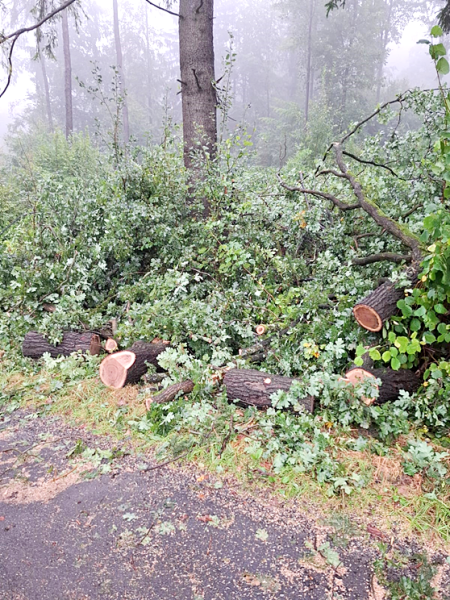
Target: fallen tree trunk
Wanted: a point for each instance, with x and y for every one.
(391, 382)
(35, 345)
(254, 388)
(128, 366)
(379, 305)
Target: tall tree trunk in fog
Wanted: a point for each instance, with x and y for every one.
(308, 60)
(67, 74)
(46, 88)
(148, 65)
(384, 44)
(197, 76)
(126, 126)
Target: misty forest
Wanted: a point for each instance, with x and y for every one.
(225, 238)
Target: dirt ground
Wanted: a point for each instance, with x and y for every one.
(81, 518)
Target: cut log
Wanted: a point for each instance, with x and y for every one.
(111, 345)
(35, 345)
(128, 366)
(171, 393)
(391, 382)
(261, 329)
(378, 306)
(254, 388)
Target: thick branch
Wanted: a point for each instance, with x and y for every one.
(164, 9)
(389, 256)
(406, 237)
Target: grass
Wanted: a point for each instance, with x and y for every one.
(382, 501)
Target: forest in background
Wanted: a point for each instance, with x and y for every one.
(325, 184)
(288, 70)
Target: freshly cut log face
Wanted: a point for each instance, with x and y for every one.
(254, 388)
(111, 345)
(357, 376)
(128, 366)
(35, 345)
(378, 306)
(391, 382)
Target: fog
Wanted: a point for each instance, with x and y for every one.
(358, 57)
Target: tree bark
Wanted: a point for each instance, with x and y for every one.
(254, 388)
(67, 74)
(379, 305)
(126, 367)
(35, 345)
(391, 382)
(172, 392)
(122, 89)
(46, 88)
(198, 94)
(308, 60)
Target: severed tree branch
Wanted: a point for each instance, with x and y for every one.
(164, 9)
(389, 256)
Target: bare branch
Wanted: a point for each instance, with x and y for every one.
(411, 210)
(390, 256)
(15, 36)
(19, 32)
(341, 205)
(164, 9)
(373, 164)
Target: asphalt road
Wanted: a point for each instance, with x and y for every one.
(95, 526)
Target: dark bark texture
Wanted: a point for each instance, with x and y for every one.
(173, 391)
(379, 305)
(67, 73)
(197, 76)
(254, 388)
(392, 382)
(35, 345)
(46, 88)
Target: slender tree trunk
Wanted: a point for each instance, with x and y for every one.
(148, 65)
(197, 75)
(126, 126)
(67, 74)
(308, 60)
(46, 88)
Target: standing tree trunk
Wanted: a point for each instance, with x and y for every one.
(67, 74)
(308, 60)
(148, 66)
(198, 93)
(126, 126)
(46, 87)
